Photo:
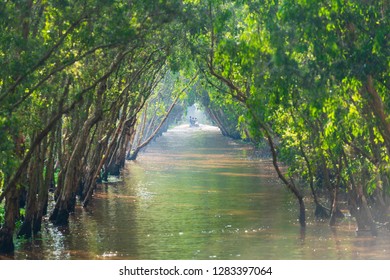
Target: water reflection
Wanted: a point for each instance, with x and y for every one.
(194, 194)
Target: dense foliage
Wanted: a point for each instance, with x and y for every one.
(82, 83)
(313, 77)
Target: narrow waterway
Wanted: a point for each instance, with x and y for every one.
(194, 194)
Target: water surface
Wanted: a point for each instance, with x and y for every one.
(194, 194)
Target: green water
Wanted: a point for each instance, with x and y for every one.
(194, 194)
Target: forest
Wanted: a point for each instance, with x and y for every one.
(86, 84)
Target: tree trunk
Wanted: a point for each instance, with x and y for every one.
(320, 212)
(334, 211)
(96, 163)
(11, 214)
(358, 206)
(26, 228)
(67, 199)
(217, 121)
(134, 154)
(43, 195)
(378, 108)
(290, 186)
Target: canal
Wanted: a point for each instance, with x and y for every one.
(195, 194)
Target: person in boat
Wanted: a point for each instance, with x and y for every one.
(193, 122)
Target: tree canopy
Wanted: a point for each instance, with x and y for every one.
(84, 83)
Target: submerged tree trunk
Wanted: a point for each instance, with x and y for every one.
(290, 186)
(93, 173)
(320, 212)
(67, 197)
(103, 150)
(358, 206)
(43, 192)
(335, 211)
(11, 214)
(66, 200)
(27, 225)
(35, 195)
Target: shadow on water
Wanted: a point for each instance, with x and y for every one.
(194, 194)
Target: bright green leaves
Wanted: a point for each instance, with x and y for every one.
(55, 54)
(301, 71)
(298, 68)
